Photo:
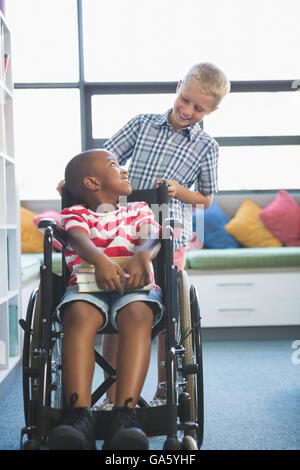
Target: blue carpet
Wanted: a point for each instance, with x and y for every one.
(252, 398)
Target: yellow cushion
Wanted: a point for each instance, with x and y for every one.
(247, 228)
(31, 238)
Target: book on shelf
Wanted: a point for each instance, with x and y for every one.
(85, 277)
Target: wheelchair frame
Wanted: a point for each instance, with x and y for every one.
(182, 416)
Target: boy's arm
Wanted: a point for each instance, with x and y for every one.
(123, 142)
(178, 191)
(107, 273)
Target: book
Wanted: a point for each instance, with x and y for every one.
(85, 277)
(92, 287)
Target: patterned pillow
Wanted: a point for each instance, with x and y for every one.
(282, 218)
(32, 240)
(49, 214)
(213, 232)
(248, 229)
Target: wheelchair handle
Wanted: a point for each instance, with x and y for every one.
(59, 232)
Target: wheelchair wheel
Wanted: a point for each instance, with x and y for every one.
(190, 339)
(30, 344)
(31, 364)
(56, 382)
(188, 443)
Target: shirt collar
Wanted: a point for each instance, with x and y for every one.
(191, 131)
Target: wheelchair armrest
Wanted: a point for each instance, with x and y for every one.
(174, 223)
(172, 227)
(59, 232)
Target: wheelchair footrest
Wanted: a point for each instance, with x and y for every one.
(155, 421)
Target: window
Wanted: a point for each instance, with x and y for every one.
(111, 112)
(256, 114)
(160, 40)
(47, 130)
(82, 69)
(44, 36)
(259, 167)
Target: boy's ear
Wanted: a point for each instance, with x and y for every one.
(213, 109)
(91, 183)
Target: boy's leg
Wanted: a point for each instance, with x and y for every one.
(81, 321)
(110, 347)
(134, 322)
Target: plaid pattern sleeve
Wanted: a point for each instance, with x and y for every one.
(207, 181)
(123, 142)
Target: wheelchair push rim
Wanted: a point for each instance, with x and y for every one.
(190, 338)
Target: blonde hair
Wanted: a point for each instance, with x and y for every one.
(210, 79)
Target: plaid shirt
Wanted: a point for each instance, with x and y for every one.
(186, 156)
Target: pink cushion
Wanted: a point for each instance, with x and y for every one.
(282, 218)
(49, 214)
(196, 243)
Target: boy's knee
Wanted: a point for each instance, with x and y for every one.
(79, 315)
(138, 314)
(74, 317)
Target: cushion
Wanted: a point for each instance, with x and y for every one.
(30, 267)
(196, 243)
(245, 258)
(56, 261)
(31, 239)
(49, 214)
(282, 218)
(248, 229)
(214, 234)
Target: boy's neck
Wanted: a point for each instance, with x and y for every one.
(104, 207)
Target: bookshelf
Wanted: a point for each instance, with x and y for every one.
(10, 291)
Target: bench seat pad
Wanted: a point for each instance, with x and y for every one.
(240, 258)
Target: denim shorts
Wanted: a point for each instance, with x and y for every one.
(111, 302)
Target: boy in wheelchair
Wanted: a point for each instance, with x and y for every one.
(98, 230)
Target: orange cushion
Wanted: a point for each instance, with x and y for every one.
(32, 239)
(248, 229)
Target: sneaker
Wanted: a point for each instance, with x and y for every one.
(105, 405)
(75, 431)
(158, 401)
(125, 432)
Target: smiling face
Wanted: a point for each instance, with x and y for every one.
(191, 105)
(112, 178)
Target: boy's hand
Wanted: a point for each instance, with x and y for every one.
(59, 187)
(138, 268)
(173, 187)
(108, 275)
(178, 191)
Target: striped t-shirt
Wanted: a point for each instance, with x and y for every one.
(115, 233)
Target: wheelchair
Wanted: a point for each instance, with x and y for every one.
(181, 420)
